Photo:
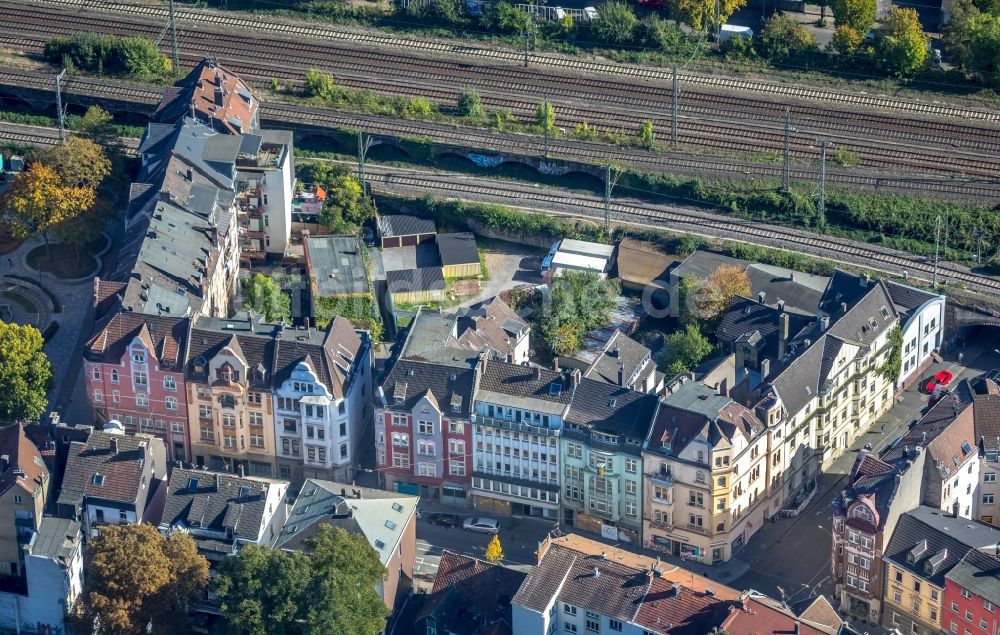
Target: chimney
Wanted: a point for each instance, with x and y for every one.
(781, 305)
(555, 363)
(597, 572)
(761, 296)
(954, 509)
(843, 307)
(538, 372)
(765, 368)
(824, 323)
(795, 628)
(621, 374)
(574, 377)
(510, 356)
(218, 96)
(783, 331)
(242, 471)
(218, 482)
(306, 322)
(114, 445)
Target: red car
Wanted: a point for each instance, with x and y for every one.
(944, 377)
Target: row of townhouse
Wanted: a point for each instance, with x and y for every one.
(944, 465)
(694, 473)
(236, 394)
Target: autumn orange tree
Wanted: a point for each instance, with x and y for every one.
(138, 581)
(717, 292)
(38, 200)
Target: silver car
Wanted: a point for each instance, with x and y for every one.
(482, 525)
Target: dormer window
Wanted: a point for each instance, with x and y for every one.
(98, 479)
(192, 483)
(865, 514)
(138, 357)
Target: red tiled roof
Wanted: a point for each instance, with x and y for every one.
(757, 617)
(25, 466)
(680, 610)
(163, 336)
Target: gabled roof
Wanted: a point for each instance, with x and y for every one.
(979, 573)
(908, 299)
(468, 592)
(646, 597)
(801, 292)
(163, 336)
(942, 432)
(928, 543)
(759, 615)
(621, 350)
(410, 380)
(218, 502)
(695, 409)
(22, 462)
(380, 516)
(458, 248)
(535, 388)
(96, 470)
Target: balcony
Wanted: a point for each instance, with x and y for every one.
(698, 529)
(514, 426)
(663, 477)
(664, 525)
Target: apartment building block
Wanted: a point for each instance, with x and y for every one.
(423, 430)
(972, 595)
(24, 491)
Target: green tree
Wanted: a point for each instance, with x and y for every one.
(98, 125)
(846, 41)
(545, 115)
(319, 84)
(25, 373)
(264, 295)
(494, 552)
(138, 582)
(346, 207)
(893, 364)
(577, 302)
(656, 33)
(616, 24)
(647, 138)
(141, 58)
(683, 350)
(418, 108)
(958, 34)
(687, 292)
(900, 42)
(469, 104)
(984, 46)
(783, 39)
(450, 12)
(857, 14)
(504, 16)
(323, 173)
(700, 14)
(331, 589)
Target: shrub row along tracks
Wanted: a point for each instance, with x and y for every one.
(413, 182)
(469, 140)
(716, 113)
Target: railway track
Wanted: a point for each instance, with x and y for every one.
(723, 122)
(487, 142)
(279, 26)
(395, 180)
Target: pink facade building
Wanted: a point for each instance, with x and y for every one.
(133, 369)
(423, 431)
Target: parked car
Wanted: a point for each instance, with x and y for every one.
(731, 32)
(590, 14)
(482, 525)
(445, 520)
(944, 377)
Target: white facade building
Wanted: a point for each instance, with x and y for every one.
(922, 323)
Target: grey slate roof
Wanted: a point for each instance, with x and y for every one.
(980, 574)
(457, 249)
(57, 538)
(415, 280)
(538, 389)
(410, 380)
(621, 349)
(701, 264)
(906, 298)
(220, 502)
(747, 320)
(615, 590)
(613, 410)
(936, 542)
(335, 265)
(400, 225)
(380, 516)
(800, 291)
